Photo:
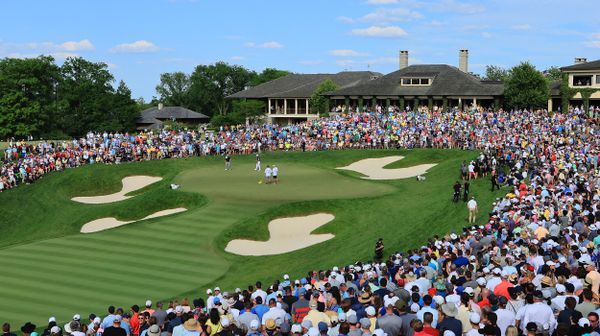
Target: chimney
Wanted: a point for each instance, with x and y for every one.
(580, 60)
(403, 59)
(160, 106)
(463, 60)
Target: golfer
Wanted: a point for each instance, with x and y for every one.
(472, 206)
(257, 167)
(268, 174)
(227, 162)
(275, 173)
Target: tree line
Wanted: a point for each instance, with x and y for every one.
(42, 99)
(206, 88)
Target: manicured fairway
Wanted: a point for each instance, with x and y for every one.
(48, 268)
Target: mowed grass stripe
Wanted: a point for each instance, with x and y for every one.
(66, 261)
(100, 250)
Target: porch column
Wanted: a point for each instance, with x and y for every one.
(269, 106)
(550, 104)
(284, 105)
(347, 104)
(307, 110)
(296, 106)
(474, 101)
(460, 107)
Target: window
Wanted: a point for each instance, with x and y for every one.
(416, 81)
(597, 79)
(585, 80)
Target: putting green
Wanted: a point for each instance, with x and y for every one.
(49, 268)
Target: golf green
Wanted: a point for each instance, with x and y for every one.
(50, 269)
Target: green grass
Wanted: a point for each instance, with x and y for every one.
(51, 269)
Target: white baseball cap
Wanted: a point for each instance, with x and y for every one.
(52, 319)
(474, 318)
(76, 317)
(254, 325)
(286, 277)
(148, 303)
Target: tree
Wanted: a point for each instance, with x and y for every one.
(526, 87)
(124, 109)
(27, 88)
(496, 73)
(318, 102)
(211, 84)
(251, 109)
(553, 73)
(173, 89)
(268, 75)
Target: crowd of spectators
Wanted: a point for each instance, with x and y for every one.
(528, 268)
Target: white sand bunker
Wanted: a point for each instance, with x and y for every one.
(111, 222)
(373, 169)
(286, 235)
(130, 183)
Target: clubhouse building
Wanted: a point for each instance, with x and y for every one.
(155, 117)
(419, 86)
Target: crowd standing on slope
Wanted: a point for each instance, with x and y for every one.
(479, 129)
(529, 268)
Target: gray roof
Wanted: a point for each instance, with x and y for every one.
(153, 115)
(303, 86)
(593, 65)
(448, 81)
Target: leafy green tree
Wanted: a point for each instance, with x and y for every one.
(173, 89)
(317, 101)
(27, 88)
(526, 87)
(268, 75)
(124, 109)
(211, 84)
(496, 73)
(251, 109)
(553, 73)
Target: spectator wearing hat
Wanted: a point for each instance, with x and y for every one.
(505, 317)
(315, 316)
(501, 289)
(115, 329)
(148, 306)
(406, 317)
(449, 321)
(537, 312)
(390, 322)
(51, 323)
(592, 278)
(229, 329)
(254, 328)
(354, 326)
(474, 320)
(365, 326)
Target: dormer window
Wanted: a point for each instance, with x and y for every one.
(416, 81)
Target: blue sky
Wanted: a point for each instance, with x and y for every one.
(142, 39)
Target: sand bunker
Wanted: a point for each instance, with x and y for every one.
(130, 183)
(286, 235)
(373, 169)
(111, 222)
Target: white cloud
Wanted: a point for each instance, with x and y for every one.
(521, 27)
(345, 19)
(380, 31)
(383, 60)
(593, 44)
(456, 6)
(381, 2)
(486, 35)
(140, 46)
(266, 45)
(311, 62)
(436, 23)
(76, 46)
(392, 15)
(347, 53)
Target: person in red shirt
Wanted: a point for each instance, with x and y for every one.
(135, 323)
(502, 288)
